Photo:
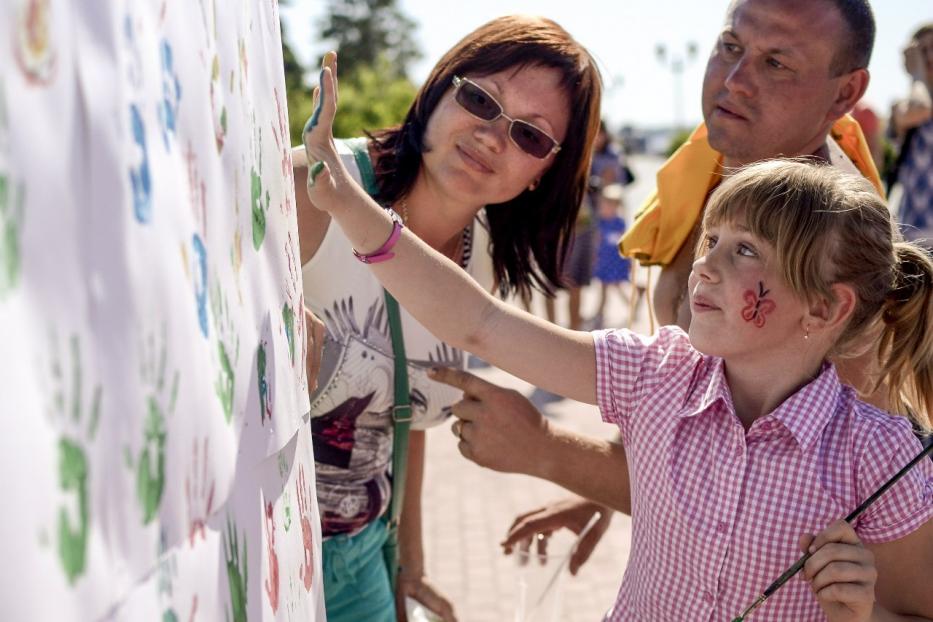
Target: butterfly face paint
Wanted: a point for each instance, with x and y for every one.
(757, 306)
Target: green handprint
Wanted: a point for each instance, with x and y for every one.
(150, 465)
(288, 317)
(72, 540)
(228, 352)
(73, 467)
(150, 468)
(236, 573)
(259, 208)
(11, 217)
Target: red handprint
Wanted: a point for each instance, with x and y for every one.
(198, 492)
(756, 306)
(304, 508)
(272, 581)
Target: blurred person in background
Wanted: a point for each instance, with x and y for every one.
(912, 129)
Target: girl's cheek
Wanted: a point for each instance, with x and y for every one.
(758, 304)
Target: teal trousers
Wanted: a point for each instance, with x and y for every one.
(356, 583)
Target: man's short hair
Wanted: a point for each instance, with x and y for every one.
(855, 50)
(923, 30)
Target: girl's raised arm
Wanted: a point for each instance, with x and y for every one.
(433, 289)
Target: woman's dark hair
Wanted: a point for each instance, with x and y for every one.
(530, 234)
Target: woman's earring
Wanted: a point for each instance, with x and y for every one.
(806, 334)
(534, 185)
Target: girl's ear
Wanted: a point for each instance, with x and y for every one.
(832, 314)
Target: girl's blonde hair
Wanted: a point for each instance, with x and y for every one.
(830, 227)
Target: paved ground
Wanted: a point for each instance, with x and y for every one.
(469, 509)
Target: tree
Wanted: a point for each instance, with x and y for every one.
(368, 32)
(374, 90)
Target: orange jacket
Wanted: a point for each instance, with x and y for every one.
(670, 213)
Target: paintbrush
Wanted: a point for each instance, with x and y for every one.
(790, 572)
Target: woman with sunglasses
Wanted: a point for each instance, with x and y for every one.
(489, 167)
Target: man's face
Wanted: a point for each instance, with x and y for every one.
(768, 89)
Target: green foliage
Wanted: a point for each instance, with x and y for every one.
(366, 31)
(677, 139)
(370, 99)
(373, 39)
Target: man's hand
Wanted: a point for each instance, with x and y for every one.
(315, 330)
(423, 591)
(498, 428)
(841, 573)
(572, 513)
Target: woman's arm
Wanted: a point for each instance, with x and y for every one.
(411, 577)
(436, 291)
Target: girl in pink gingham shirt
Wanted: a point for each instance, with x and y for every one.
(740, 438)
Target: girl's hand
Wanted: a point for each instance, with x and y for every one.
(325, 169)
(423, 591)
(841, 573)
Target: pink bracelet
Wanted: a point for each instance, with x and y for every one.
(382, 253)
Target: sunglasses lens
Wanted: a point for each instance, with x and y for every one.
(477, 102)
(531, 140)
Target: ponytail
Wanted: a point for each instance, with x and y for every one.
(906, 346)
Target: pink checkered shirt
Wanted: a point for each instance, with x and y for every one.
(716, 511)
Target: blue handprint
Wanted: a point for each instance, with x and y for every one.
(139, 174)
(200, 281)
(171, 95)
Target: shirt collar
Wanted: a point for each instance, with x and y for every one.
(807, 412)
(804, 414)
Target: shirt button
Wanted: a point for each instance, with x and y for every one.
(722, 528)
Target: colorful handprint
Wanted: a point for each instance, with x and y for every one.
(199, 489)
(79, 427)
(236, 572)
(306, 570)
(272, 581)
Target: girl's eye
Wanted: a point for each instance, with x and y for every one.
(747, 251)
(709, 242)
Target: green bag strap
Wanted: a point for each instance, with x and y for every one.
(401, 411)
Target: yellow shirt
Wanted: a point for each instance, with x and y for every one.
(670, 213)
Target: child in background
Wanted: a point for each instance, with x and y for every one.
(612, 269)
(741, 440)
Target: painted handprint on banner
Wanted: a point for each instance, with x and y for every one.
(199, 489)
(236, 572)
(12, 199)
(171, 95)
(196, 267)
(306, 570)
(265, 394)
(228, 351)
(140, 179)
(259, 200)
(218, 109)
(272, 581)
(34, 41)
(160, 401)
(78, 423)
(283, 144)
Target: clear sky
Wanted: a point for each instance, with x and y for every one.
(622, 35)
